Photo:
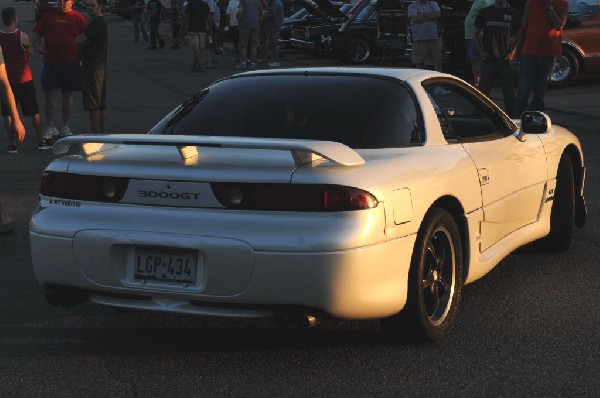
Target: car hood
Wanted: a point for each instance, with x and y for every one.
(325, 8)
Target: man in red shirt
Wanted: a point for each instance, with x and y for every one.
(62, 70)
(539, 42)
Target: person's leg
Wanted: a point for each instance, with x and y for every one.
(253, 40)
(436, 54)
(49, 101)
(244, 33)
(274, 42)
(67, 107)
(527, 72)
(95, 122)
(544, 68)
(153, 31)
(103, 122)
(136, 26)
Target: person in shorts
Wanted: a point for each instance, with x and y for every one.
(61, 71)
(17, 53)
(94, 43)
(250, 14)
(426, 43)
(196, 19)
(176, 16)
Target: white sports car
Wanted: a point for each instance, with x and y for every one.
(305, 194)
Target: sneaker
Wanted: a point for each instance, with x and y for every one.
(44, 145)
(12, 149)
(66, 132)
(50, 132)
(274, 64)
(241, 65)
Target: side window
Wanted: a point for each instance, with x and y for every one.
(398, 125)
(462, 115)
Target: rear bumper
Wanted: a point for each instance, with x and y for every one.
(339, 263)
(234, 281)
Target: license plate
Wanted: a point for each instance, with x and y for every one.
(163, 265)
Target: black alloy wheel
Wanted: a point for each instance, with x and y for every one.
(435, 281)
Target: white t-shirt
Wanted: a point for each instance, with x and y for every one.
(426, 30)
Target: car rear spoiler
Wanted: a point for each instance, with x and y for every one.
(303, 151)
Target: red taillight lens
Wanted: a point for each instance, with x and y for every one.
(287, 197)
(83, 187)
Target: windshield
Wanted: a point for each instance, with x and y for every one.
(366, 12)
(317, 107)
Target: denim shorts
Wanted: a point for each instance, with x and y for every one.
(64, 76)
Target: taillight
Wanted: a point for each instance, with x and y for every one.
(288, 197)
(83, 187)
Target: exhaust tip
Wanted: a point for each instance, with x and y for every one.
(303, 321)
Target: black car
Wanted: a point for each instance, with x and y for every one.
(302, 33)
(355, 40)
(311, 14)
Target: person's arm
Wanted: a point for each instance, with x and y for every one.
(81, 40)
(9, 100)
(26, 44)
(521, 35)
(558, 18)
(477, 42)
(37, 43)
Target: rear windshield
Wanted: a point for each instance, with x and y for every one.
(317, 107)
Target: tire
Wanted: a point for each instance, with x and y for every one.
(435, 281)
(562, 217)
(357, 50)
(565, 70)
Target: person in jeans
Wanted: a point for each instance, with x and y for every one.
(138, 7)
(499, 24)
(250, 13)
(539, 42)
(156, 13)
(426, 43)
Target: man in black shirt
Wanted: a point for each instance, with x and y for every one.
(494, 36)
(196, 18)
(93, 43)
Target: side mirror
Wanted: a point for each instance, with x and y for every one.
(535, 122)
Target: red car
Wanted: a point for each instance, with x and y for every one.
(581, 45)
